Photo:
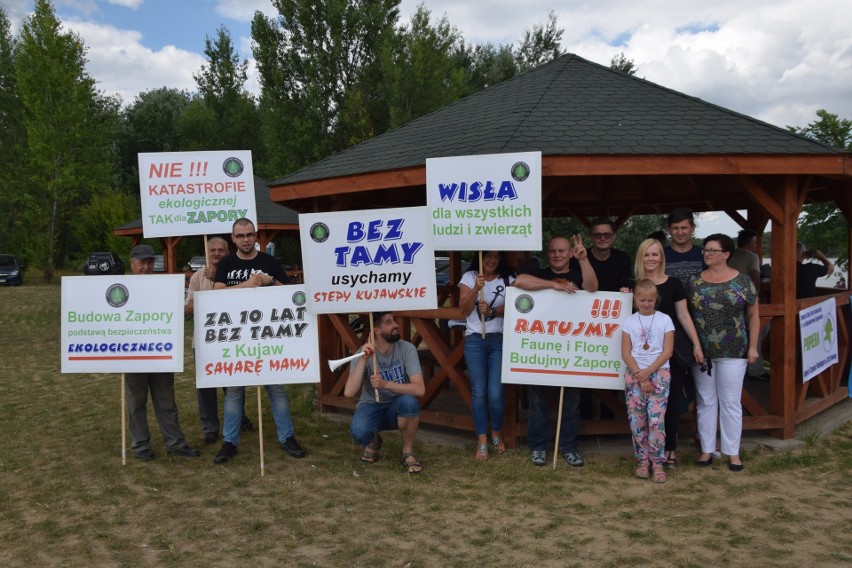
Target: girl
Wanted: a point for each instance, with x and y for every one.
(647, 342)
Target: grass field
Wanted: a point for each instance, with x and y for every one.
(66, 500)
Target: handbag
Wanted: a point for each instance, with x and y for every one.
(683, 352)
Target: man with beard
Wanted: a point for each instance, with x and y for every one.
(250, 268)
(398, 380)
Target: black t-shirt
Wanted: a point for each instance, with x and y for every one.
(574, 274)
(806, 277)
(671, 291)
(233, 270)
(614, 273)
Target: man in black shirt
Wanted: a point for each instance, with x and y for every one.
(612, 266)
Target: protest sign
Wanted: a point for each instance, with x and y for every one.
(254, 336)
(559, 339)
(486, 202)
(363, 261)
(195, 193)
(122, 324)
(818, 330)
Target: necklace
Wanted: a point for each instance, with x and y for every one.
(646, 334)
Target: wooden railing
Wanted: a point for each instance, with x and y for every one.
(447, 398)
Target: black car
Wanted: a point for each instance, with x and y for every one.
(103, 263)
(11, 270)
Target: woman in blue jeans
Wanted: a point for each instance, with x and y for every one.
(482, 297)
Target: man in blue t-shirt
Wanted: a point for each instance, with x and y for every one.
(683, 259)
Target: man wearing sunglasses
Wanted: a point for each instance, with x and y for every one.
(612, 266)
(250, 268)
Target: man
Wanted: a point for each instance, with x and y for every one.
(683, 259)
(807, 273)
(612, 266)
(399, 381)
(250, 268)
(162, 388)
(569, 271)
(201, 280)
(745, 258)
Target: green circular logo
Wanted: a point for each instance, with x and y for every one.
(117, 295)
(319, 232)
(524, 303)
(232, 167)
(299, 298)
(520, 171)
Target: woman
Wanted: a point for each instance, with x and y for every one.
(651, 264)
(725, 307)
(483, 295)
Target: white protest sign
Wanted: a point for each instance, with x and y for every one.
(487, 202)
(818, 330)
(569, 340)
(254, 336)
(364, 261)
(195, 193)
(122, 324)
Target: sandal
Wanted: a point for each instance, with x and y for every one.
(499, 446)
(671, 461)
(411, 467)
(371, 452)
(481, 453)
(641, 470)
(659, 475)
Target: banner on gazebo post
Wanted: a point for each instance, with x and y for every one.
(364, 261)
(485, 202)
(195, 193)
(818, 330)
(122, 324)
(255, 336)
(566, 340)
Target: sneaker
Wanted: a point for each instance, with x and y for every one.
(228, 451)
(538, 457)
(292, 447)
(574, 459)
(145, 455)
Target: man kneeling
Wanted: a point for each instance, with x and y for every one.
(399, 381)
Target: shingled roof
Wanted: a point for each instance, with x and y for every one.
(570, 106)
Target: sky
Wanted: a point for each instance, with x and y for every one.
(775, 60)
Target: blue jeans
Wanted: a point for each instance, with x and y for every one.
(370, 418)
(484, 361)
(539, 434)
(234, 398)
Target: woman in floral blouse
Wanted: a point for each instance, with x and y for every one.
(724, 307)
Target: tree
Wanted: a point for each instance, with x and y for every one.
(540, 45)
(822, 225)
(12, 141)
(69, 127)
(93, 222)
(621, 63)
(318, 65)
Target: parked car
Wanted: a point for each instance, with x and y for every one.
(11, 270)
(103, 263)
(196, 263)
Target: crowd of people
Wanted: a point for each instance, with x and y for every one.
(694, 330)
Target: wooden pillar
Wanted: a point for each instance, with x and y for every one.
(783, 336)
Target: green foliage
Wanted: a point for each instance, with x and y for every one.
(70, 128)
(540, 45)
(95, 221)
(621, 63)
(822, 226)
(636, 229)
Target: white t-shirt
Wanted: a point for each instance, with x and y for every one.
(495, 296)
(650, 330)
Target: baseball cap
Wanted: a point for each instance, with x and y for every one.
(142, 252)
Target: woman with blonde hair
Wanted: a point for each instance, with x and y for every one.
(651, 264)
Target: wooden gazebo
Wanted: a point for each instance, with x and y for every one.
(273, 220)
(612, 145)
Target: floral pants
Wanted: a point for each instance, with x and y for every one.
(646, 414)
